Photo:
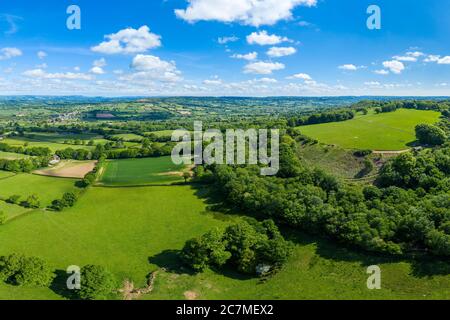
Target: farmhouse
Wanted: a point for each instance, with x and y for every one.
(55, 160)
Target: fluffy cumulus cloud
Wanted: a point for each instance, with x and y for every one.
(264, 39)
(153, 68)
(129, 41)
(263, 67)
(97, 66)
(249, 56)
(277, 52)
(394, 66)
(248, 12)
(444, 60)
(8, 53)
(301, 76)
(348, 67)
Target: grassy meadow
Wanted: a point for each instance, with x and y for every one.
(46, 188)
(386, 131)
(134, 231)
(141, 172)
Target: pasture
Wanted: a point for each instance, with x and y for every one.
(46, 188)
(134, 231)
(53, 146)
(12, 210)
(386, 131)
(128, 136)
(141, 172)
(12, 156)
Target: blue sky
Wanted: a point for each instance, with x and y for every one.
(225, 47)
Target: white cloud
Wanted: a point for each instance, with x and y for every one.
(382, 72)
(97, 70)
(265, 80)
(249, 56)
(41, 54)
(248, 12)
(129, 41)
(8, 53)
(39, 73)
(97, 66)
(432, 58)
(263, 67)
(394, 66)
(263, 38)
(215, 81)
(444, 60)
(225, 40)
(415, 54)
(302, 76)
(405, 58)
(304, 24)
(99, 63)
(372, 83)
(153, 68)
(348, 67)
(276, 52)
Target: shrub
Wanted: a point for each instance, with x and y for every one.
(20, 270)
(96, 283)
(429, 134)
(14, 199)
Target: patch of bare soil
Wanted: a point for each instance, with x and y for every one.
(191, 295)
(129, 292)
(68, 170)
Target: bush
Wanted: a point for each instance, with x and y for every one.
(431, 135)
(20, 270)
(96, 283)
(247, 246)
(14, 199)
(362, 153)
(31, 202)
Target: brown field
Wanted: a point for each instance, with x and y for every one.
(68, 169)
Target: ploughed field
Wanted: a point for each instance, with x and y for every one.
(384, 132)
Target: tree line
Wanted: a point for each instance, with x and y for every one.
(408, 211)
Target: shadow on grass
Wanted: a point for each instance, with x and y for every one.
(170, 261)
(421, 265)
(59, 286)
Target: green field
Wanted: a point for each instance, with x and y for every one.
(128, 136)
(11, 210)
(46, 188)
(53, 146)
(134, 231)
(141, 172)
(386, 131)
(12, 156)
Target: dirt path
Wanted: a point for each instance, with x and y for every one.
(388, 153)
